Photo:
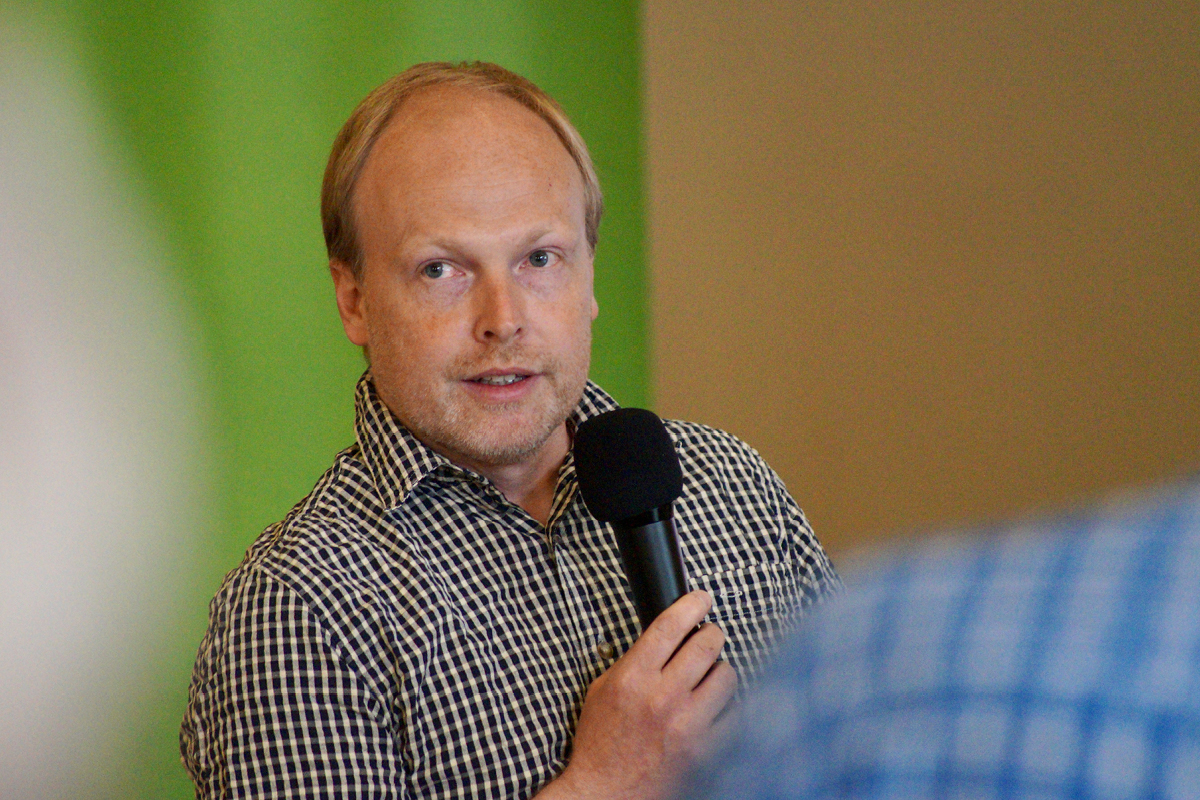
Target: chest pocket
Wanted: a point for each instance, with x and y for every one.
(753, 605)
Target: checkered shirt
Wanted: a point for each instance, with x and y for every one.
(1051, 660)
(407, 632)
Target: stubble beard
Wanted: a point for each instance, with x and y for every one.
(496, 434)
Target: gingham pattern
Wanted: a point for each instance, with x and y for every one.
(407, 632)
(1059, 660)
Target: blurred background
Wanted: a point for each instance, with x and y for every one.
(939, 263)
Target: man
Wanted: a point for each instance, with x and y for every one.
(1058, 659)
(441, 617)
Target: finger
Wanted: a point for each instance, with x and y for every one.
(713, 694)
(695, 657)
(719, 732)
(661, 639)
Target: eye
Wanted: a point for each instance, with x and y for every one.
(435, 269)
(539, 258)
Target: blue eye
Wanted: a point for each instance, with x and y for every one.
(539, 258)
(435, 269)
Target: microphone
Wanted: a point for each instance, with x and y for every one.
(629, 476)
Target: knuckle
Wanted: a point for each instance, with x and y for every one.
(725, 675)
(679, 732)
(657, 706)
(623, 684)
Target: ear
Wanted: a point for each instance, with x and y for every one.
(595, 308)
(351, 302)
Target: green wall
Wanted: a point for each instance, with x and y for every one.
(226, 111)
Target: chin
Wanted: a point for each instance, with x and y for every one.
(501, 440)
(489, 452)
(496, 436)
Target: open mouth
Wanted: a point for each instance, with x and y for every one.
(499, 380)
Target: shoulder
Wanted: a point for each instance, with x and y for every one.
(706, 447)
(333, 581)
(717, 463)
(704, 437)
(1106, 567)
(329, 531)
(336, 553)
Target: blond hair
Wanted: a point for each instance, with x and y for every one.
(356, 138)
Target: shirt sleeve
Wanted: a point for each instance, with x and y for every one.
(814, 571)
(276, 710)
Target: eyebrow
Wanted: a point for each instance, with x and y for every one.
(540, 233)
(452, 246)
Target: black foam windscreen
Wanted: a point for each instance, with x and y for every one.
(626, 464)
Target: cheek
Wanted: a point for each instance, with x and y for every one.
(575, 326)
(400, 333)
(589, 309)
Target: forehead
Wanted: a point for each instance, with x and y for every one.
(468, 152)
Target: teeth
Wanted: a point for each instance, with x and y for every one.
(499, 380)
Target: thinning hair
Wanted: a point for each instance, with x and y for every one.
(368, 121)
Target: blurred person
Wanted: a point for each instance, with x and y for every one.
(102, 460)
(442, 617)
(1058, 659)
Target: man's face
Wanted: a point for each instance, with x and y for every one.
(475, 300)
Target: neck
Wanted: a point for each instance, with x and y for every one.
(530, 482)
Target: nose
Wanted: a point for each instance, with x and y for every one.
(499, 310)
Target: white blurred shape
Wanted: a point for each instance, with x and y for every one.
(100, 431)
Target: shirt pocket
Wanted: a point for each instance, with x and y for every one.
(752, 604)
(750, 591)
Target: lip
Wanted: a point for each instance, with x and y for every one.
(502, 394)
(489, 373)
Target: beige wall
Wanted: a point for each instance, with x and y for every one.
(937, 261)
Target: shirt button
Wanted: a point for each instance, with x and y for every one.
(605, 650)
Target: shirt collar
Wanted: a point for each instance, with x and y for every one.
(398, 461)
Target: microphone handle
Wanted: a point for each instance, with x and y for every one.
(653, 566)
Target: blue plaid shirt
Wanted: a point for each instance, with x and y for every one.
(1046, 660)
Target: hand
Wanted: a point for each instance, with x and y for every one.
(651, 714)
